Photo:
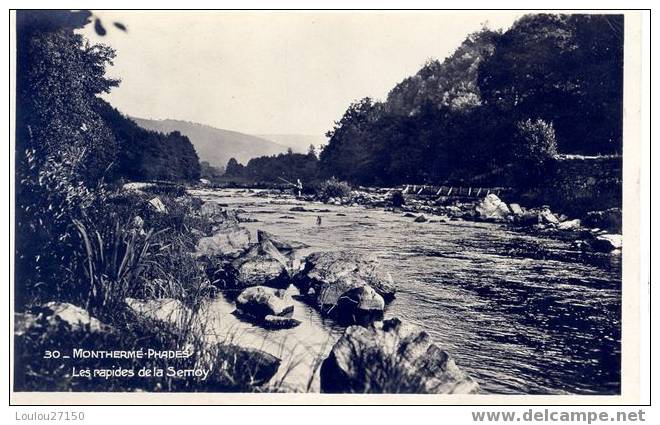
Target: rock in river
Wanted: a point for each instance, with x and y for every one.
(238, 366)
(570, 225)
(266, 306)
(279, 322)
(345, 284)
(262, 264)
(390, 357)
(547, 217)
(214, 212)
(516, 210)
(361, 305)
(285, 247)
(492, 208)
(607, 243)
(229, 241)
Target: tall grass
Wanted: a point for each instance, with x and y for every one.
(112, 266)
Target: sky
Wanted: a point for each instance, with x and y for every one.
(272, 72)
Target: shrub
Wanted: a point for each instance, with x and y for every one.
(333, 188)
(534, 148)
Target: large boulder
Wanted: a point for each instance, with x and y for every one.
(492, 208)
(607, 243)
(55, 316)
(168, 311)
(345, 284)
(229, 241)
(262, 265)
(390, 357)
(257, 302)
(242, 367)
(609, 220)
(283, 246)
(570, 225)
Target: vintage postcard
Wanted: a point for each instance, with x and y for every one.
(297, 207)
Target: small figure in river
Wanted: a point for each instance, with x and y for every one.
(300, 187)
(318, 220)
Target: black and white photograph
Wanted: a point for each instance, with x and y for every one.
(324, 202)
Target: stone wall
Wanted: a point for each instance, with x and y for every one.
(578, 184)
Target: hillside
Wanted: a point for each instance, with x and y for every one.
(449, 83)
(298, 142)
(216, 145)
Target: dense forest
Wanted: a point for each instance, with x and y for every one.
(503, 104)
(285, 167)
(496, 111)
(144, 155)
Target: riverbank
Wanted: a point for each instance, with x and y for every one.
(234, 286)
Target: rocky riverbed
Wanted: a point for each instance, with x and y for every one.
(369, 294)
(477, 285)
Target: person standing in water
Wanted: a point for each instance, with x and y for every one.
(300, 187)
(318, 220)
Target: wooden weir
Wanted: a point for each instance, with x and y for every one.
(452, 191)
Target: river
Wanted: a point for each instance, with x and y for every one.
(521, 313)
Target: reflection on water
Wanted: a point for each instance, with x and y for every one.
(521, 313)
(301, 349)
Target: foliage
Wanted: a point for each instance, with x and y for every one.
(282, 168)
(456, 121)
(209, 171)
(451, 83)
(148, 155)
(333, 188)
(234, 168)
(64, 150)
(534, 147)
(348, 151)
(113, 263)
(565, 69)
(535, 143)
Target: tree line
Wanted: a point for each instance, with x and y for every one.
(282, 168)
(72, 147)
(62, 122)
(495, 111)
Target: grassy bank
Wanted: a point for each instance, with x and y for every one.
(131, 244)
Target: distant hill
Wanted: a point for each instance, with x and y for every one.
(298, 142)
(215, 145)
